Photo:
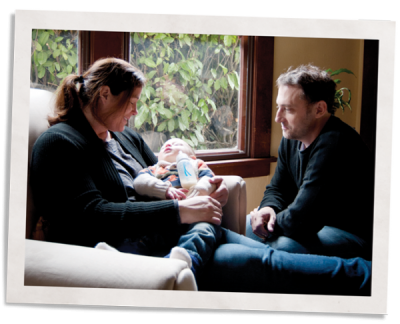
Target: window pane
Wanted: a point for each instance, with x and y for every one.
(192, 89)
(54, 55)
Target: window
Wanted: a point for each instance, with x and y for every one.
(254, 103)
(192, 89)
(54, 56)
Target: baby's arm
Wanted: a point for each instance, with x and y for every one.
(202, 188)
(147, 185)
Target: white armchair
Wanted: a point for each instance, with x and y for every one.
(61, 265)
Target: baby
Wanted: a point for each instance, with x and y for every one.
(162, 179)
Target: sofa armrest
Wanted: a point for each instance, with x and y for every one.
(61, 265)
(234, 212)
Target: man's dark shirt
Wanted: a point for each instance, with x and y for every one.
(330, 183)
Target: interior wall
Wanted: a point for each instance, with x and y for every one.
(324, 53)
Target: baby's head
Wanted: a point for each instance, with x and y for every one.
(170, 150)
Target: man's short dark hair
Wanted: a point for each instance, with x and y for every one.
(316, 84)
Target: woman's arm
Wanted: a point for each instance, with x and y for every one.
(79, 191)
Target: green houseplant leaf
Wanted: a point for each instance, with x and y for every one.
(333, 73)
(340, 102)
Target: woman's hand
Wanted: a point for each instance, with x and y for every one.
(200, 209)
(222, 192)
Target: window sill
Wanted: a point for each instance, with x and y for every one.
(245, 168)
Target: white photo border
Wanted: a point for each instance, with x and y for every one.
(25, 21)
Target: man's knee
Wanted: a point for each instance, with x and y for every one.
(287, 244)
(337, 242)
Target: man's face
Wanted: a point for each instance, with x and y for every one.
(294, 114)
(170, 150)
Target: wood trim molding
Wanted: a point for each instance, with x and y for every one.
(127, 49)
(263, 83)
(106, 44)
(84, 51)
(243, 111)
(94, 45)
(245, 168)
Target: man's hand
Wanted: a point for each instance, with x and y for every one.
(221, 194)
(263, 222)
(174, 193)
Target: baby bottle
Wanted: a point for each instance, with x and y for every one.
(186, 171)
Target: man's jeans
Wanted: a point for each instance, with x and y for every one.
(240, 264)
(329, 241)
(243, 265)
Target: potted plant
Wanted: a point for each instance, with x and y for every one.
(340, 102)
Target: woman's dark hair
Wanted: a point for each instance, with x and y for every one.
(316, 84)
(77, 92)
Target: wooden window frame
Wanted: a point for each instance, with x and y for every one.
(252, 159)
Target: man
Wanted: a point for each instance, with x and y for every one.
(320, 199)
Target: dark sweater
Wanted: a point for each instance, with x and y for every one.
(330, 183)
(78, 190)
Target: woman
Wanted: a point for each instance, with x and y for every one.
(84, 165)
(82, 185)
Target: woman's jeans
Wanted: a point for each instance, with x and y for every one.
(328, 241)
(243, 265)
(199, 239)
